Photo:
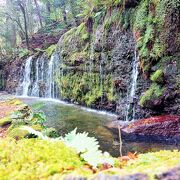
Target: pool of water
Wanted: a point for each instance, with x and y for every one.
(66, 117)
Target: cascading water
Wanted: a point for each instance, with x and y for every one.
(51, 85)
(26, 81)
(130, 107)
(35, 89)
(39, 81)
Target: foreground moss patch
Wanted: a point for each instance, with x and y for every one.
(154, 163)
(36, 159)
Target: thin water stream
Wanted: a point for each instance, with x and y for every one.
(131, 95)
(66, 117)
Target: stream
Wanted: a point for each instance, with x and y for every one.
(65, 117)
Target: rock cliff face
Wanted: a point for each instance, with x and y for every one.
(96, 60)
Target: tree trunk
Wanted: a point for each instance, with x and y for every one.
(64, 15)
(48, 8)
(25, 24)
(38, 13)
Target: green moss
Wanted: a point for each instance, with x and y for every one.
(85, 88)
(17, 133)
(5, 121)
(37, 159)
(79, 56)
(154, 92)
(15, 102)
(153, 163)
(141, 16)
(50, 132)
(149, 21)
(23, 52)
(158, 76)
(50, 50)
(74, 44)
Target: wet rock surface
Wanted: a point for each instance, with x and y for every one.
(173, 174)
(116, 177)
(111, 177)
(155, 129)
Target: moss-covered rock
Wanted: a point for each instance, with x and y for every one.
(151, 95)
(5, 121)
(86, 88)
(154, 30)
(73, 44)
(50, 50)
(17, 133)
(158, 76)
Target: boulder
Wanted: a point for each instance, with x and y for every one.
(157, 129)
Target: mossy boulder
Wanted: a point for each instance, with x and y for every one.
(5, 121)
(163, 128)
(18, 133)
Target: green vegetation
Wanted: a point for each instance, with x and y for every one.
(158, 76)
(23, 53)
(22, 115)
(53, 159)
(35, 121)
(154, 163)
(75, 153)
(74, 45)
(5, 121)
(88, 148)
(36, 159)
(50, 50)
(85, 88)
(151, 19)
(141, 16)
(153, 93)
(17, 133)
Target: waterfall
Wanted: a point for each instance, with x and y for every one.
(130, 107)
(51, 87)
(27, 77)
(35, 89)
(101, 68)
(39, 81)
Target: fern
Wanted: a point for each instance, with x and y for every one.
(87, 147)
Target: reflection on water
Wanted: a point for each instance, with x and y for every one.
(65, 117)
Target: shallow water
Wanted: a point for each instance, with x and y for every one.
(66, 117)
